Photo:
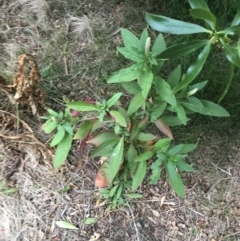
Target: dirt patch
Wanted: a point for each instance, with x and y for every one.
(76, 54)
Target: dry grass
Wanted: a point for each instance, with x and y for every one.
(74, 53)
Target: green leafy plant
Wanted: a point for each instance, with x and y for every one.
(227, 38)
(126, 148)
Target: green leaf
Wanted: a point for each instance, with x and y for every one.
(145, 156)
(186, 148)
(206, 15)
(171, 120)
(145, 82)
(118, 118)
(146, 136)
(48, 127)
(156, 69)
(172, 26)
(183, 166)
(206, 107)
(174, 77)
(233, 30)
(194, 69)
(156, 171)
(164, 90)
(132, 53)
(9, 190)
(132, 195)
(137, 101)
(113, 100)
(181, 114)
(198, 4)
(129, 39)
(131, 155)
(164, 128)
(123, 112)
(171, 170)
(105, 149)
(182, 49)
(84, 130)
(134, 133)
(88, 221)
(175, 150)
(176, 184)
(53, 113)
(159, 45)
(125, 75)
(82, 106)
(231, 53)
(143, 39)
(62, 151)
(162, 143)
(199, 85)
(65, 224)
(158, 110)
(113, 191)
(139, 175)
(68, 128)
(101, 138)
(131, 87)
(116, 160)
(236, 20)
(59, 136)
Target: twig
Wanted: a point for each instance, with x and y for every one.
(195, 212)
(221, 169)
(134, 223)
(229, 235)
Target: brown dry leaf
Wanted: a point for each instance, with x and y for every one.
(164, 128)
(156, 213)
(25, 84)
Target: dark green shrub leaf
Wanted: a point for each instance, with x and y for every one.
(183, 166)
(174, 77)
(198, 4)
(136, 103)
(146, 136)
(171, 120)
(156, 69)
(176, 184)
(194, 69)
(186, 148)
(123, 112)
(131, 155)
(231, 53)
(182, 49)
(118, 118)
(113, 100)
(82, 106)
(159, 45)
(169, 25)
(145, 156)
(164, 128)
(236, 20)
(156, 171)
(139, 175)
(181, 114)
(101, 138)
(164, 90)
(162, 143)
(131, 87)
(175, 150)
(125, 75)
(105, 149)
(158, 110)
(199, 85)
(84, 130)
(233, 30)
(53, 113)
(113, 191)
(206, 15)
(62, 151)
(129, 39)
(145, 82)
(59, 136)
(116, 160)
(132, 53)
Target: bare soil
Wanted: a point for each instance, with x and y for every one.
(74, 61)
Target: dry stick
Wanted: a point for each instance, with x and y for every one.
(221, 169)
(134, 223)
